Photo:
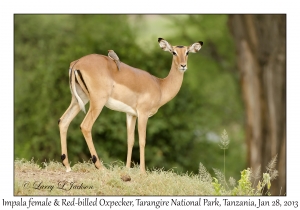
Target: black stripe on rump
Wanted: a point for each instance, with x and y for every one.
(76, 81)
(80, 75)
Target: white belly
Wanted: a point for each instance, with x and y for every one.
(120, 106)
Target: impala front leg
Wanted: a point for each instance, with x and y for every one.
(142, 125)
(130, 121)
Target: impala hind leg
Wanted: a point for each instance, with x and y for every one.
(86, 128)
(130, 121)
(63, 124)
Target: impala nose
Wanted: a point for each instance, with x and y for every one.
(183, 67)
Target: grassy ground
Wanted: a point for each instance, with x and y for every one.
(85, 179)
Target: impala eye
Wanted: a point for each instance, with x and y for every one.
(174, 53)
(187, 53)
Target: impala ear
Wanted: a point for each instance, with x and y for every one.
(195, 47)
(164, 45)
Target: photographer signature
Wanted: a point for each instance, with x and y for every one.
(62, 185)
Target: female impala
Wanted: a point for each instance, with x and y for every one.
(96, 78)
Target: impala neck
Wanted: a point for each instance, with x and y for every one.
(170, 85)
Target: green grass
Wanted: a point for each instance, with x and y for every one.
(50, 178)
(103, 182)
(85, 179)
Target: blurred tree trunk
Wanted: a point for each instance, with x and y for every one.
(260, 42)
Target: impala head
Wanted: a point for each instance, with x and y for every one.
(180, 53)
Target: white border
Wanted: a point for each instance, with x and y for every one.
(9, 8)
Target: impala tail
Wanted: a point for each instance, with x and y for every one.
(78, 86)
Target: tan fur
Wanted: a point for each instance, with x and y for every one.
(141, 91)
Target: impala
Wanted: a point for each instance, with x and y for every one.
(95, 78)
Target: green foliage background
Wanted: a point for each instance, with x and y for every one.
(183, 133)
